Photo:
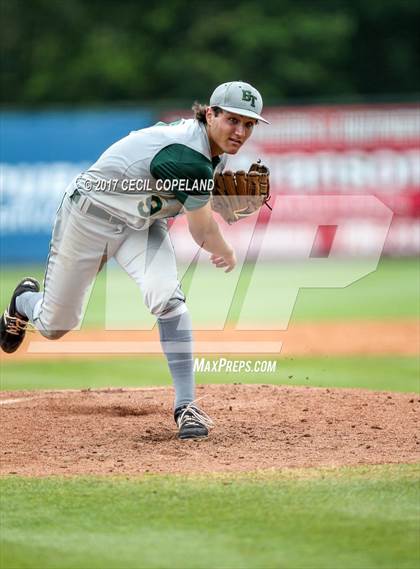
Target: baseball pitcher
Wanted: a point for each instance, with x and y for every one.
(119, 209)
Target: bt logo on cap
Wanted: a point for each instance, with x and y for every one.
(248, 96)
(240, 98)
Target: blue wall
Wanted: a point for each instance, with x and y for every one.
(40, 154)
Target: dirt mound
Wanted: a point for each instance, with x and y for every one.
(125, 431)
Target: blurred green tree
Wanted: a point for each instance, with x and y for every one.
(94, 51)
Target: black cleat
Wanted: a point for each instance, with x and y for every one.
(12, 324)
(192, 422)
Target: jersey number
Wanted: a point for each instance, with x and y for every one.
(150, 206)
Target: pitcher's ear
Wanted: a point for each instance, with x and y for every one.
(209, 115)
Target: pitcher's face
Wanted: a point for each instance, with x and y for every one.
(227, 132)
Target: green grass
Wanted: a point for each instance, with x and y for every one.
(346, 518)
(389, 292)
(387, 373)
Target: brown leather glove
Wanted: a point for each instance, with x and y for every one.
(239, 194)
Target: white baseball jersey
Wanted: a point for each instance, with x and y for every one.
(127, 179)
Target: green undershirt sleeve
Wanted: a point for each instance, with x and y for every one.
(179, 162)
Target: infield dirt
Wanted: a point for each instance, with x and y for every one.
(126, 431)
(337, 338)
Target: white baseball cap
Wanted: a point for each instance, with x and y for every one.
(240, 98)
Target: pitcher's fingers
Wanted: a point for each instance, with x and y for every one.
(217, 260)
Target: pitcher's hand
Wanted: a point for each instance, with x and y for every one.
(227, 262)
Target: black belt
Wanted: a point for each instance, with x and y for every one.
(94, 210)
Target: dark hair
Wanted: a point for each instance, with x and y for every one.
(200, 111)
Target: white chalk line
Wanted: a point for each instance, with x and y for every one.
(12, 401)
(104, 390)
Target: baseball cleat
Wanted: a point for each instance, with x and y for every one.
(192, 422)
(12, 324)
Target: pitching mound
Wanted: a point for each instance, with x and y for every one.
(256, 427)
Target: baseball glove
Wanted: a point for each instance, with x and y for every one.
(239, 194)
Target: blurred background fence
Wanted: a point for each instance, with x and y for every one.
(330, 151)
